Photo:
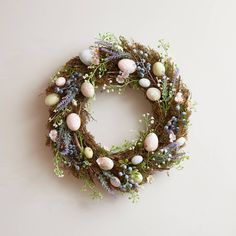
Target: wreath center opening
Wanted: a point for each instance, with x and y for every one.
(117, 116)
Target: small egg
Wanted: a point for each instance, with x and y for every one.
(105, 163)
(86, 56)
(145, 83)
(137, 160)
(127, 65)
(153, 94)
(52, 99)
(115, 182)
(180, 141)
(53, 134)
(60, 81)
(151, 142)
(158, 69)
(137, 177)
(87, 89)
(73, 121)
(88, 152)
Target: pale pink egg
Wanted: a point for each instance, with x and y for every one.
(73, 121)
(127, 65)
(60, 81)
(105, 163)
(151, 142)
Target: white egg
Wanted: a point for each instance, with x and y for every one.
(53, 134)
(153, 94)
(88, 152)
(115, 182)
(105, 163)
(145, 83)
(127, 65)
(180, 141)
(60, 81)
(86, 56)
(52, 99)
(151, 142)
(158, 69)
(73, 121)
(137, 160)
(87, 89)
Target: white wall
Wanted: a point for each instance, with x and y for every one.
(36, 37)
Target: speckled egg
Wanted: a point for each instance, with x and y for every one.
(158, 69)
(52, 99)
(151, 142)
(105, 163)
(153, 94)
(137, 160)
(88, 152)
(145, 83)
(115, 182)
(127, 65)
(60, 81)
(73, 121)
(87, 89)
(86, 56)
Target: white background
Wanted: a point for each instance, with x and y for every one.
(36, 37)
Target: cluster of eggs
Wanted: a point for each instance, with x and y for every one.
(150, 145)
(129, 66)
(73, 120)
(87, 89)
(158, 69)
(106, 163)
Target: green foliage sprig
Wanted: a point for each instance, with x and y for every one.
(89, 186)
(58, 163)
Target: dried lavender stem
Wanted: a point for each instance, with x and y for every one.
(77, 141)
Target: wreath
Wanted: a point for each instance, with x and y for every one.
(113, 64)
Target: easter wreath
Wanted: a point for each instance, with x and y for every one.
(113, 64)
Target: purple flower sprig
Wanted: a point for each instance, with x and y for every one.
(176, 74)
(106, 50)
(103, 180)
(105, 44)
(72, 88)
(113, 55)
(65, 143)
(66, 100)
(117, 56)
(172, 128)
(167, 154)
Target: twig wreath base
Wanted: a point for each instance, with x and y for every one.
(113, 64)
